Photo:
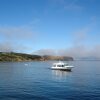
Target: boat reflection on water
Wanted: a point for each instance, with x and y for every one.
(60, 74)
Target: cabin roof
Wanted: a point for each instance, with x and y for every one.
(60, 63)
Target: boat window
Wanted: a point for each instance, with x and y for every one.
(66, 64)
(54, 65)
(60, 65)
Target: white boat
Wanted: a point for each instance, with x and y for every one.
(62, 66)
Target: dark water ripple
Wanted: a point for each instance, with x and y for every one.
(35, 81)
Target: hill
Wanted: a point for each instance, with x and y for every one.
(65, 58)
(11, 56)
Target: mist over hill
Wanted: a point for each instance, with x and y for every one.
(12, 56)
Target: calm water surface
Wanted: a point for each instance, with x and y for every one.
(35, 81)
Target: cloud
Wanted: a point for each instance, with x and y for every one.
(83, 51)
(79, 47)
(6, 47)
(68, 4)
(10, 47)
(73, 6)
(81, 36)
(76, 52)
(45, 52)
(16, 33)
(16, 38)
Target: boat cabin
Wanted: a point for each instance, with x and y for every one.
(60, 64)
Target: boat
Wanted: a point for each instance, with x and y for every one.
(62, 66)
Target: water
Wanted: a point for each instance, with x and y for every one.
(35, 81)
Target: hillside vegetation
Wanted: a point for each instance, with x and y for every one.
(4, 56)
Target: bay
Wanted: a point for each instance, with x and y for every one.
(36, 81)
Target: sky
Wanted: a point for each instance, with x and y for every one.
(55, 27)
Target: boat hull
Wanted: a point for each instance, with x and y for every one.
(62, 68)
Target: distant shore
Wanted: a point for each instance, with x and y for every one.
(18, 57)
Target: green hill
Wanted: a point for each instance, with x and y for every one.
(18, 57)
(5, 56)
